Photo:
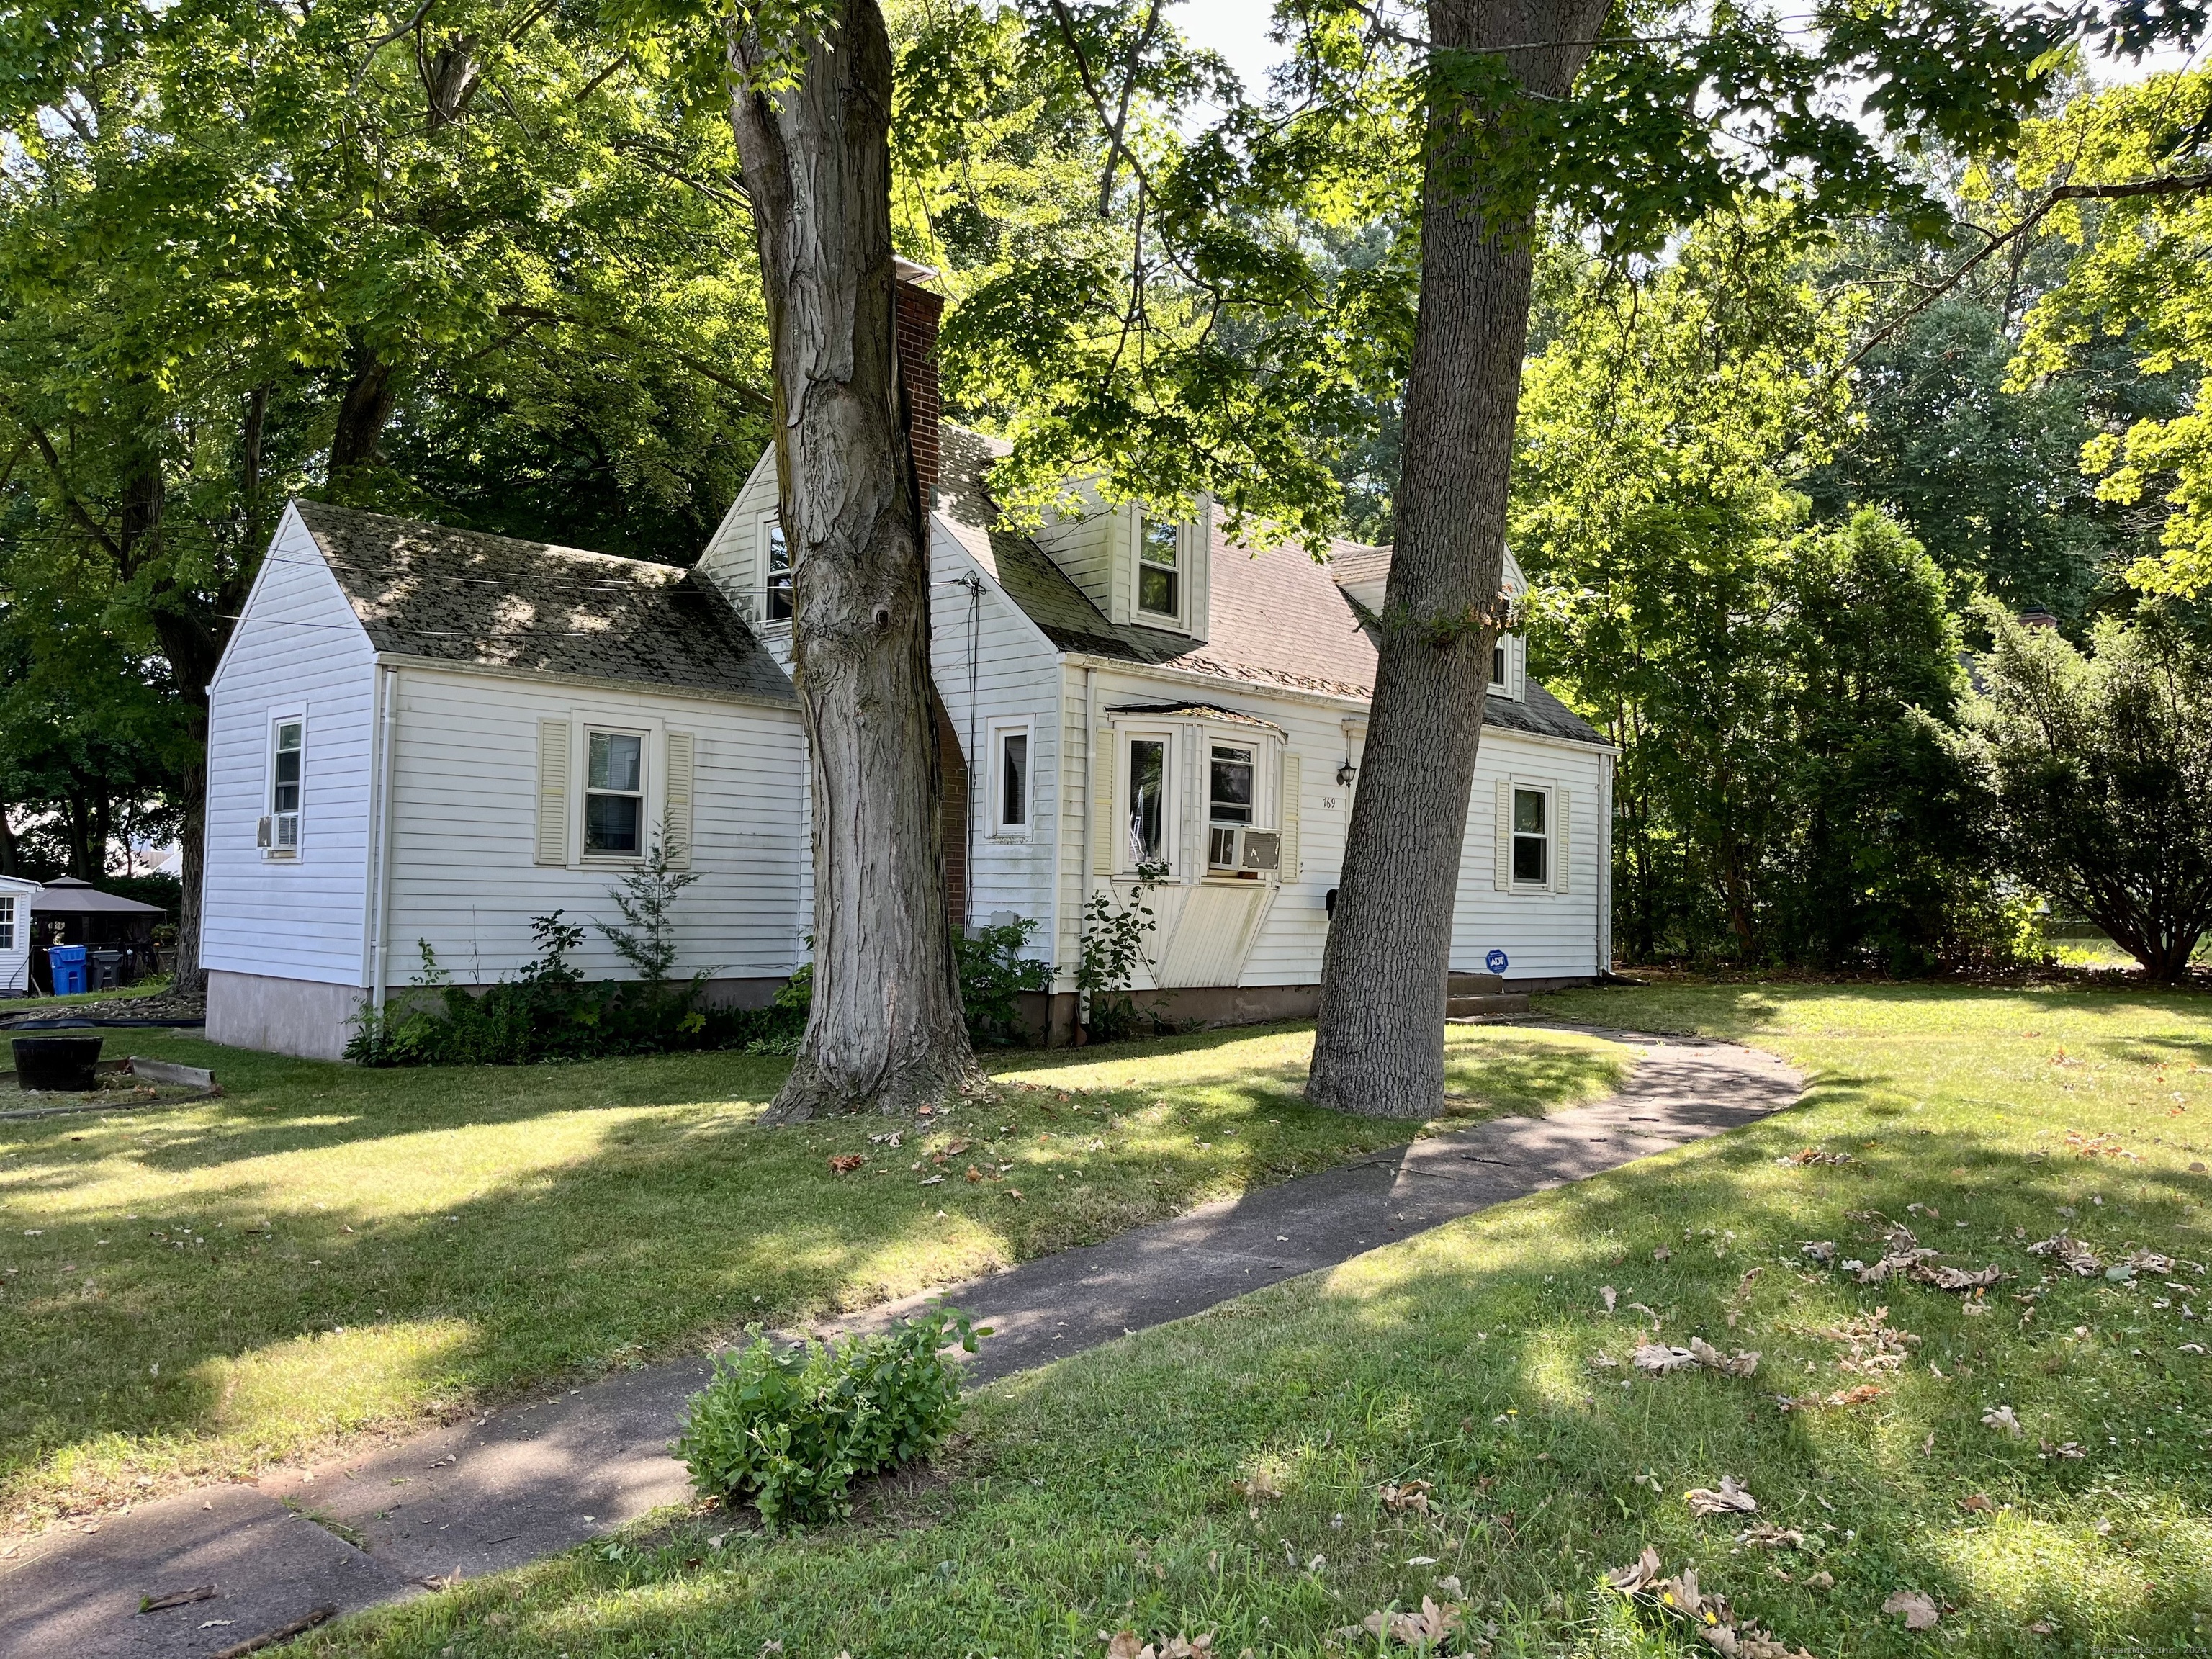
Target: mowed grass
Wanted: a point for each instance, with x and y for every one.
(1103, 1493)
(198, 1292)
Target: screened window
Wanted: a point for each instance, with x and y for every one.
(1148, 792)
(287, 752)
(1013, 780)
(1498, 666)
(614, 794)
(1159, 579)
(7, 921)
(1228, 801)
(1532, 835)
(779, 573)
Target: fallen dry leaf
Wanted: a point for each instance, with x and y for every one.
(1841, 1398)
(1739, 1363)
(2069, 1253)
(1822, 1250)
(1818, 1580)
(1259, 1485)
(1637, 1573)
(1661, 1254)
(845, 1164)
(1976, 1502)
(1766, 1535)
(1412, 1495)
(1423, 1629)
(1920, 1612)
(1607, 1294)
(1659, 1358)
(1728, 1498)
(2002, 1417)
(1814, 1156)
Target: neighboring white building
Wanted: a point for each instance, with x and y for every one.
(403, 730)
(16, 897)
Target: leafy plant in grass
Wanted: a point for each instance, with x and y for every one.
(790, 1430)
(1113, 949)
(547, 1011)
(994, 975)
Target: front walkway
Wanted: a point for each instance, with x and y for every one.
(572, 1464)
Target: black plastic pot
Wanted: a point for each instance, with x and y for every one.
(64, 1064)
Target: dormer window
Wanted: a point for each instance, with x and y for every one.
(1159, 578)
(1498, 666)
(779, 573)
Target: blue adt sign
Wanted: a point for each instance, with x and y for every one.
(1496, 962)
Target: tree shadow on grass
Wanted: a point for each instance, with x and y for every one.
(328, 1251)
(1098, 1494)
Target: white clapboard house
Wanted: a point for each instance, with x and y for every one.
(425, 737)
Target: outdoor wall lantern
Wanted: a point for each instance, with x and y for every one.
(1344, 772)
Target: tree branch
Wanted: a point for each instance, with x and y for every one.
(2171, 184)
(76, 507)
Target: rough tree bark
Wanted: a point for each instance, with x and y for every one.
(886, 1031)
(1379, 1047)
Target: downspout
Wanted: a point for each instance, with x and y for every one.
(381, 953)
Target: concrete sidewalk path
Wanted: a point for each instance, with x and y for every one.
(570, 1464)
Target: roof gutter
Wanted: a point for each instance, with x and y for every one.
(558, 676)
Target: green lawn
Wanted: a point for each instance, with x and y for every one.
(198, 1292)
(1097, 1495)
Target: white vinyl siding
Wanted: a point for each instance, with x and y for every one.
(470, 820)
(297, 650)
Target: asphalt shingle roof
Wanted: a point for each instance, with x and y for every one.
(459, 596)
(1278, 618)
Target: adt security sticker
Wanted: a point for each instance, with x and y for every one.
(1496, 962)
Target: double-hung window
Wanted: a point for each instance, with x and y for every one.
(613, 795)
(287, 755)
(7, 921)
(1160, 575)
(778, 582)
(1228, 802)
(1148, 800)
(1497, 667)
(1013, 790)
(1532, 836)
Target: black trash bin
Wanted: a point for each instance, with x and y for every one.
(103, 968)
(65, 1064)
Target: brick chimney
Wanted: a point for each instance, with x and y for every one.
(915, 315)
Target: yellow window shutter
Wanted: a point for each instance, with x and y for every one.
(676, 810)
(1290, 818)
(1561, 865)
(1102, 802)
(1505, 834)
(552, 845)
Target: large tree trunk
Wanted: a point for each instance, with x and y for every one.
(371, 388)
(1379, 1048)
(886, 1031)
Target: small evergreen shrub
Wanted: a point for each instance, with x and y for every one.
(790, 1430)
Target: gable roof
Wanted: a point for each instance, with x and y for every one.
(1279, 619)
(462, 597)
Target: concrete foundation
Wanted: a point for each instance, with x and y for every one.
(296, 1017)
(312, 1021)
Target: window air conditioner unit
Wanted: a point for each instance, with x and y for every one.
(1259, 849)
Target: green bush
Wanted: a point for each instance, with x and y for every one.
(994, 974)
(790, 1430)
(550, 1011)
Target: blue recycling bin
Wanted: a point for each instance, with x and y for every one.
(65, 965)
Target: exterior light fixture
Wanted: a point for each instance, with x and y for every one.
(1344, 772)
